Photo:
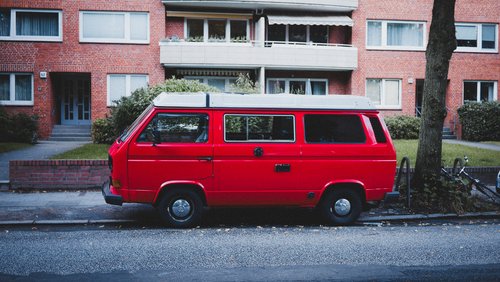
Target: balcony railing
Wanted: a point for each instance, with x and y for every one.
(301, 5)
(254, 54)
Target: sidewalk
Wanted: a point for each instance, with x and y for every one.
(473, 144)
(40, 151)
(81, 208)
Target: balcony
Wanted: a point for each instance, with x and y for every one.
(269, 54)
(299, 5)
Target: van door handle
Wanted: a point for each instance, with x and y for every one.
(208, 159)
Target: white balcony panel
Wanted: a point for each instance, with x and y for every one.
(248, 56)
(302, 5)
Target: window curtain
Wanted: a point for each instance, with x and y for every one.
(5, 23)
(37, 24)
(138, 26)
(487, 91)
(101, 25)
(4, 87)
(23, 87)
(391, 92)
(117, 87)
(404, 34)
(374, 37)
(373, 90)
(138, 81)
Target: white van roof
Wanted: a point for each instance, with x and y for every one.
(265, 101)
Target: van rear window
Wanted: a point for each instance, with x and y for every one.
(259, 128)
(334, 129)
(377, 129)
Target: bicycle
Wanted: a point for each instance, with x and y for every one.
(458, 172)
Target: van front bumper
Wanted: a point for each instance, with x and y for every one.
(109, 197)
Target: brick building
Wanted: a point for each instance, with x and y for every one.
(66, 61)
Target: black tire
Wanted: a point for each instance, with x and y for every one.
(178, 197)
(329, 213)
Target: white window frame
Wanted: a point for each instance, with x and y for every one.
(383, 105)
(12, 81)
(383, 40)
(205, 79)
(479, 48)
(126, 39)
(287, 83)
(259, 140)
(478, 88)
(228, 31)
(128, 91)
(12, 36)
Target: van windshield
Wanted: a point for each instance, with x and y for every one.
(126, 133)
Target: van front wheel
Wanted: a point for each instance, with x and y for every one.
(340, 206)
(181, 208)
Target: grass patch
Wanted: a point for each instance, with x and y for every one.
(477, 157)
(7, 147)
(86, 152)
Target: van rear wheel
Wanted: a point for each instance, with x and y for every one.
(181, 208)
(340, 206)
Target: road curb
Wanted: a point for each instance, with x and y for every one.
(364, 219)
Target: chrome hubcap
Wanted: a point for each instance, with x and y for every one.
(181, 208)
(342, 207)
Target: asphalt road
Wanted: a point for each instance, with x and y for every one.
(433, 250)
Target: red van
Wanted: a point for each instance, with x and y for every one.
(190, 151)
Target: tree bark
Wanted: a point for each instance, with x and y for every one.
(442, 43)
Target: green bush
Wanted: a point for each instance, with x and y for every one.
(403, 127)
(128, 108)
(480, 121)
(18, 127)
(103, 131)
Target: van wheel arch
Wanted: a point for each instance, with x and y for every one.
(193, 187)
(347, 185)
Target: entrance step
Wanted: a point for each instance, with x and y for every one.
(77, 133)
(448, 134)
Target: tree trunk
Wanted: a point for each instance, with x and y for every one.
(442, 42)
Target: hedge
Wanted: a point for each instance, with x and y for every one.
(403, 127)
(480, 121)
(18, 127)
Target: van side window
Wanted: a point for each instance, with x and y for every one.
(259, 128)
(377, 129)
(177, 128)
(334, 129)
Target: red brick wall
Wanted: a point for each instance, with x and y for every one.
(407, 65)
(58, 174)
(174, 26)
(71, 56)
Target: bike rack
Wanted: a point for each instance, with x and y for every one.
(405, 162)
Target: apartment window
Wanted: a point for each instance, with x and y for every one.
(395, 35)
(16, 89)
(259, 128)
(334, 129)
(31, 25)
(297, 33)
(217, 30)
(476, 37)
(114, 27)
(222, 83)
(301, 86)
(385, 93)
(480, 91)
(120, 85)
